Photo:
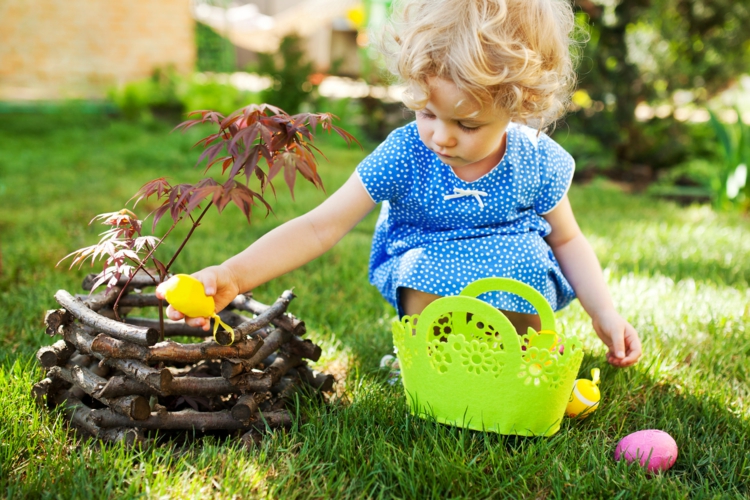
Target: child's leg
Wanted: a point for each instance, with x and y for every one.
(521, 322)
(414, 301)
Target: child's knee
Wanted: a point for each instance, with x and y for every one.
(414, 301)
(521, 322)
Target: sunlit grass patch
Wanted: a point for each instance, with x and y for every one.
(680, 275)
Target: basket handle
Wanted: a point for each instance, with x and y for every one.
(536, 299)
(464, 304)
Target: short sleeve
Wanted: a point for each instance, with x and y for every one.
(556, 167)
(386, 173)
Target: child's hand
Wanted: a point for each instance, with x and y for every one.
(218, 281)
(620, 337)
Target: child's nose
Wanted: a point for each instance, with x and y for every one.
(442, 137)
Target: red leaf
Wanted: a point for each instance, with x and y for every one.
(159, 186)
(159, 213)
(210, 152)
(160, 267)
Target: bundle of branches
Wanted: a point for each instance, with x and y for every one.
(117, 381)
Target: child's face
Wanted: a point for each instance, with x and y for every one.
(464, 135)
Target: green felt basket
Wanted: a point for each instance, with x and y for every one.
(463, 363)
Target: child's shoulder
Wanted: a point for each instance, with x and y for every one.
(546, 151)
(531, 138)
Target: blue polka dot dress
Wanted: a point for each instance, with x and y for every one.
(437, 233)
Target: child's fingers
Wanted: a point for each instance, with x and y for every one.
(174, 314)
(634, 345)
(208, 279)
(618, 343)
(160, 292)
(203, 323)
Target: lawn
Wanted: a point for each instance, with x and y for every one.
(680, 275)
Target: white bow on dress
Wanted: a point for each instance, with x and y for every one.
(460, 193)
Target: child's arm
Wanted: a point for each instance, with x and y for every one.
(582, 269)
(285, 248)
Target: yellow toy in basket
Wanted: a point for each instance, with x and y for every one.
(463, 363)
(585, 396)
(187, 295)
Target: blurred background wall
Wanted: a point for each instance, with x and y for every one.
(55, 49)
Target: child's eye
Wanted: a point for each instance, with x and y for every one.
(425, 114)
(467, 129)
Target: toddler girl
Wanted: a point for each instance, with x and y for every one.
(472, 188)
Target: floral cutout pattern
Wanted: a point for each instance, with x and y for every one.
(538, 365)
(473, 356)
(401, 331)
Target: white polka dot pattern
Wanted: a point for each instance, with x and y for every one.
(437, 245)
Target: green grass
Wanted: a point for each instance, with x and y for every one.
(679, 274)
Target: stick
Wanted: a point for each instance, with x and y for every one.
(132, 406)
(181, 329)
(100, 300)
(320, 381)
(231, 367)
(246, 407)
(251, 439)
(80, 415)
(135, 334)
(281, 365)
(55, 354)
(82, 360)
(156, 379)
(54, 319)
(140, 280)
(272, 343)
(284, 320)
(216, 386)
(172, 351)
(264, 318)
(303, 348)
(189, 420)
(46, 391)
(285, 391)
(120, 385)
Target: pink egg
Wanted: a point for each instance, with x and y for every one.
(653, 446)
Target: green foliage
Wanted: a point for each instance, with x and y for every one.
(214, 53)
(215, 92)
(139, 99)
(169, 95)
(730, 182)
(590, 155)
(644, 51)
(680, 275)
(290, 73)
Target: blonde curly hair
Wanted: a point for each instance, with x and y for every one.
(517, 55)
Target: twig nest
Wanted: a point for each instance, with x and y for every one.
(654, 449)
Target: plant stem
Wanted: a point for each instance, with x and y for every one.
(139, 267)
(196, 223)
